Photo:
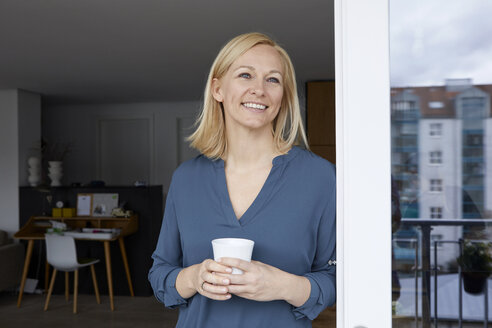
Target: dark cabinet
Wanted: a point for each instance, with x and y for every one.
(320, 115)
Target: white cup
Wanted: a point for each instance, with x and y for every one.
(233, 247)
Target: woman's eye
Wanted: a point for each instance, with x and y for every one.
(273, 79)
(245, 75)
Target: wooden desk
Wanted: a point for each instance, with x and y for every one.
(36, 227)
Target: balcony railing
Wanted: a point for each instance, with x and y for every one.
(424, 256)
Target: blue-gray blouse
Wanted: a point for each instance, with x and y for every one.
(292, 221)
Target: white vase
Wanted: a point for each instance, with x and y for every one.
(34, 180)
(34, 168)
(55, 170)
(34, 162)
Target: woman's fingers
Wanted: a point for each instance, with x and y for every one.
(213, 286)
(236, 263)
(217, 297)
(210, 284)
(213, 266)
(215, 278)
(215, 289)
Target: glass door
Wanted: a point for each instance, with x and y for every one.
(413, 163)
(441, 132)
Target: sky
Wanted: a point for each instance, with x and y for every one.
(434, 40)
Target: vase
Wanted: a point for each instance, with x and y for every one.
(55, 172)
(474, 282)
(34, 169)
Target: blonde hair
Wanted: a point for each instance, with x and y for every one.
(210, 137)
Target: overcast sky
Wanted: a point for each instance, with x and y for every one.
(431, 40)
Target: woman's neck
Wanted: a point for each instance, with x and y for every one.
(247, 149)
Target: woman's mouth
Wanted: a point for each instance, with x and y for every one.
(254, 106)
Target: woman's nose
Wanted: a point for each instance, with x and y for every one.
(257, 88)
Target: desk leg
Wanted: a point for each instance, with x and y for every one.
(108, 271)
(125, 262)
(30, 245)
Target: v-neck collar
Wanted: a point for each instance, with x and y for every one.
(278, 164)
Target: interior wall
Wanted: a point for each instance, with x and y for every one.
(79, 124)
(9, 168)
(29, 124)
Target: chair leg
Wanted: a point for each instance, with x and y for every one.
(75, 290)
(46, 275)
(50, 290)
(67, 288)
(96, 289)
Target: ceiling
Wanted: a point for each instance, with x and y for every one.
(130, 51)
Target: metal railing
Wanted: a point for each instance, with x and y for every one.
(425, 268)
(435, 269)
(414, 243)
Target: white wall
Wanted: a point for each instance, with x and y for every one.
(9, 195)
(9, 168)
(79, 124)
(449, 171)
(20, 127)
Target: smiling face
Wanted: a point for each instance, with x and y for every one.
(251, 90)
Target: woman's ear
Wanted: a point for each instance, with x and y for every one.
(216, 90)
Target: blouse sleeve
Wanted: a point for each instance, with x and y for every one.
(167, 259)
(323, 272)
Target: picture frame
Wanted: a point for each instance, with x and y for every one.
(103, 204)
(84, 204)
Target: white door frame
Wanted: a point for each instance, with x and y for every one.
(363, 164)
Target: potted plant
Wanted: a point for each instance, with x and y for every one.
(476, 265)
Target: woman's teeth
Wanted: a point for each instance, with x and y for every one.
(255, 106)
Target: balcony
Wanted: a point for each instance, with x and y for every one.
(405, 115)
(430, 290)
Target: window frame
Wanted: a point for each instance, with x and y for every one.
(435, 212)
(435, 160)
(433, 132)
(435, 187)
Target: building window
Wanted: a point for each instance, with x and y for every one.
(436, 185)
(435, 157)
(473, 168)
(475, 139)
(436, 104)
(435, 129)
(403, 105)
(409, 129)
(473, 107)
(436, 212)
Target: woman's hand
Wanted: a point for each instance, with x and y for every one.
(263, 282)
(204, 278)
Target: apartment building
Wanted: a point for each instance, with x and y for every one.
(441, 148)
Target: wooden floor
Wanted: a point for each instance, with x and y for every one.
(327, 318)
(129, 312)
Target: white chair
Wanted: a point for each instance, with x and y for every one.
(62, 256)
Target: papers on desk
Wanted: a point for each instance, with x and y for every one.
(94, 233)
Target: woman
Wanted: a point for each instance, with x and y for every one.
(250, 182)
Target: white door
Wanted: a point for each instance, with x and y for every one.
(363, 164)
